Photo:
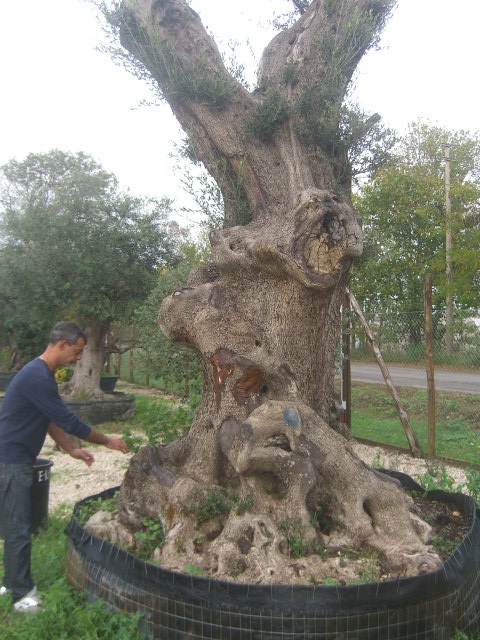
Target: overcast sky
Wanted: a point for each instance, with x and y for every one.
(57, 91)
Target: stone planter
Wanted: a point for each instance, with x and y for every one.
(177, 606)
(107, 383)
(98, 411)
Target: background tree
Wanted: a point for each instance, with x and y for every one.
(403, 211)
(161, 356)
(74, 246)
(264, 314)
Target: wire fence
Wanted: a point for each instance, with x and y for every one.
(408, 380)
(369, 407)
(401, 338)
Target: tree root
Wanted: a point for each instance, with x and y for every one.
(300, 495)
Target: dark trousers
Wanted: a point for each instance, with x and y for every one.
(16, 509)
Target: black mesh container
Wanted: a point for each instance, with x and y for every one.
(178, 606)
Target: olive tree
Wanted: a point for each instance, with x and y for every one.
(264, 315)
(174, 363)
(74, 246)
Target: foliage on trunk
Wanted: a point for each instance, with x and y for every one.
(264, 315)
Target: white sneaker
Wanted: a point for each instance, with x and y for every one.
(30, 602)
(3, 591)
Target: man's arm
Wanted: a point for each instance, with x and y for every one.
(64, 442)
(118, 444)
(43, 394)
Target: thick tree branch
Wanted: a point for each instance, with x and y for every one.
(212, 107)
(329, 39)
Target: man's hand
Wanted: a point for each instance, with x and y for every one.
(83, 454)
(118, 444)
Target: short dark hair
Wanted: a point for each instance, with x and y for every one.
(65, 330)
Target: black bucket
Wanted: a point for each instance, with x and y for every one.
(107, 383)
(39, 492)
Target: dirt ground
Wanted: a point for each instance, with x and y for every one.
(71, 480)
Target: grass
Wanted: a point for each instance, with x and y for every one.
(66, 614)
(157, 421)
(374, 417)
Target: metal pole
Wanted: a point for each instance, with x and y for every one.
(346, 363)
(427, 295)
(449, 257)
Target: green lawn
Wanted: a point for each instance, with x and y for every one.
(375, 417)
(66, 615)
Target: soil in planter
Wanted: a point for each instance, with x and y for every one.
(449, 525)
(327, 566)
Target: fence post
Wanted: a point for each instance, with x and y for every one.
(346, 363)
(132, 355)
(118, 364)
(411, 437)
(427, 296)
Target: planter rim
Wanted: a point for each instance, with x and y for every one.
(117, 397)
(454, 572)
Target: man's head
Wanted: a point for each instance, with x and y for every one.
(66, 343)
(68, 331)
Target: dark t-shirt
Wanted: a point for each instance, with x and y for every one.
(31, 403)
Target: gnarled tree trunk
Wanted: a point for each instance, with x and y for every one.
(85, 383)
(264, 315)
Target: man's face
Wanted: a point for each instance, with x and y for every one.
(72, 352)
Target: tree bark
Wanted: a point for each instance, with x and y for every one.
(85, 382)
(265, 314)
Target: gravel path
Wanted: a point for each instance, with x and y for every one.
(72, 480)
(386, 459)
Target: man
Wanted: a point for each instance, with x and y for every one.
(31, 407)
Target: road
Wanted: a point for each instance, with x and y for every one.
(466, 382)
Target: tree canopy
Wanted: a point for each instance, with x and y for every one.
(74, 245)
(404, 215)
